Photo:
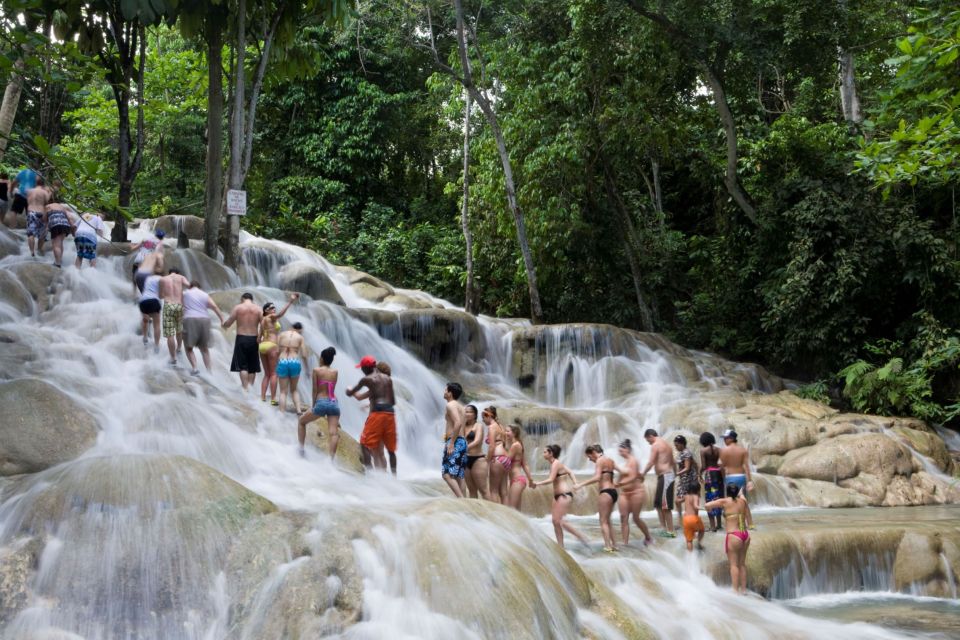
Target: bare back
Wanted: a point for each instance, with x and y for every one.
(455, 417)
(662, 456)
(734, 459)
(324, 381)
(171, 288)
(290, 343)
(381, 389)
(247, 316)
(38, 198)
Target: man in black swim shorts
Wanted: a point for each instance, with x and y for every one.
(246, 354)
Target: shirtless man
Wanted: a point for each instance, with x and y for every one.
(661, 459)
(246, 354)
(735, 461)
(153, 261)
(455, 445)
(293, 360)
(38, 198)
(381, 426)
(171, 292)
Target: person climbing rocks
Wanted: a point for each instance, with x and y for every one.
(324, 402)
(293, 360)
(269, 352)
(633, 494)
(145, 248)
(59, 220)
(736, 469)
(562, 480)
(686, 472)
(712, 476)
(17, 190)
(90, 226)
(171, 292)
(453, 462)
(36, 197)
(246, 360)
(661, 460)
(380, 429)
(196, 324)
(692, 524)
(150, 309)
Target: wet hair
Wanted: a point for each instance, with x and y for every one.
(326, 356)
(40, 180)
(194, 284)
(455, 389)
(297, 325)
(492, 411)
(554, 450)
(733, 491)
(707, 439)
(172, 270)
(626, 444)
(384, 368)
(680, 440)
(473, 408)
(595, 448)
(247, 296)
(650, 433)
(693, 487)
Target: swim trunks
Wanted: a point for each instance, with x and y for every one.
(59, 224)
(245, 357)
(196, 333)
(172, 319)
(663, 498)
(150, 306)
(740, 480)
(326, 407)
(380, 427)
(713, 488)
(35, 225)
(288, 368)
(692, 525)
(19, 203)
(86, 248)
(454, 464)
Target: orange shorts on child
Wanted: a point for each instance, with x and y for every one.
(691, 526)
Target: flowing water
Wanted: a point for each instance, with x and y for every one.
(160, 531)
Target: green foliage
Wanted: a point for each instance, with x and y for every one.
(817, 391)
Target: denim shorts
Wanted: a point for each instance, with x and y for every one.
(326, 407)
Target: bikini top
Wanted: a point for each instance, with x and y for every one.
(471, 436)
(603, 472)
(739, 516)
(562, 473)
(329, 388)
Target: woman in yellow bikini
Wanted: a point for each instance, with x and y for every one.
(737, 541)
(269, 350)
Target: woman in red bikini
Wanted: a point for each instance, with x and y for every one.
(737, 541)
(497, 459)
(519, 471)
(608, 494)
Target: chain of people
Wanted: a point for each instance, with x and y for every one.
(480, 458)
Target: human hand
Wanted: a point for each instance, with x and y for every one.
(750, 486)
(294, 297)
(350, 392)
(450, 449)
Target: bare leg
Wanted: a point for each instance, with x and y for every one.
(284, 383)
(32, 245)
(560, 524)
(333, 435)
(192, 359)
(302, 423)
(265, 365)
(57, 250)
(393, 461)
(79, 262)
(379, 461)
(516, 494)
(471, 483)
(205, 353)
(172, 348)
(496, 478)
(733, 558)
(636, 505)
(606, 508)
(366, 456)
(742, 561)
(453, 484)
(273, 356)
(293, 384)
(144, 327)
(247, 379)
(479, 474)
(155, 319)
(668, 519)
(625, 503)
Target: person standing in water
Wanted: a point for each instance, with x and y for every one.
(380, 428)
(736, 469)
(292, 355)
(453, 462)
(150, 309)
(737, 541)
(247, 315)
(519, 471)
(497, 460)
(57, 221)
(712, 476)
(38, 196)
(633, 494)
(608, 494)
(324, 402)
(661, 460)
(269, 351)
(90, 226)
(476, 474)
(144, 248)
(196, 324)
(563, 481)
(171, 290)
(692, 524)
(686, 472)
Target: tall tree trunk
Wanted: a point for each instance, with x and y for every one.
(213, 196)
(11, 100)
(119, 231)
(232, 252)
(849, 101)
(469, 304)
(536, 310)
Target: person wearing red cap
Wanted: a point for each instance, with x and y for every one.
(380, 428)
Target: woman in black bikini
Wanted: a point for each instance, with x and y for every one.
(561, 478)
(476, 460)
(608, 494)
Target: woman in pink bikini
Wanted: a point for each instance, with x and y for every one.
(737, 541)
(325, 403)
(497, 459)
(518, 469)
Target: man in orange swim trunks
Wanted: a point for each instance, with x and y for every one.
(380, 430)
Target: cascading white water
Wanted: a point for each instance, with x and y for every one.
(136, 539)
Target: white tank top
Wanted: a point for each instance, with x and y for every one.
(151, 289)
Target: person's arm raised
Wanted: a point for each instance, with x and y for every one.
(293, 298)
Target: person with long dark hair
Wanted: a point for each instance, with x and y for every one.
(563, 481)
(476, 475)
(712, 476)
(323, 380)
(737, 541)
(269, 350)
(608, 495)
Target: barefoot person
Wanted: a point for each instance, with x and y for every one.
(736, 469)
(324, 402)
(737, 540)
(38, 196)
(269, 351)
(476, 473)
(293, 359)
(454, 461)
(57, 220)
(380, 429)
(519, 471)
(196, 324)
(171, 291)
(692, 524)
(247, 315)
(686, 471)
(152, 261)
(143, 249)
(150, 309)
(608, 494)
(497, 460)
(563, 481)
(90, 226)
(712, 476)
(661, 460)
(632, 493)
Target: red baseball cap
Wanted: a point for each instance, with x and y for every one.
(367, 361)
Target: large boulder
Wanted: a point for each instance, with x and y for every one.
(173, 225)
(9, 243)
(41, 279)
(365, 285)
(41, 427)
(309, 280)
(348, 449)
(13, 293)
(196, 265)
(442, 337)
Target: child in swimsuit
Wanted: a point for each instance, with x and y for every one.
(692, 524)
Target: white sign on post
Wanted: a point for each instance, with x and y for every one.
(236, 203)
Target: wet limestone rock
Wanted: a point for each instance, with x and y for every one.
(171, 225)
(348, 449)
(847, 456)
(41, 427)
(309, 280)
(41, 279)
(17, 562)
(196, 265)
(9, 243)
(441, 336)
(13, 293)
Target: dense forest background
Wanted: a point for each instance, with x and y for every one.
(771, 180)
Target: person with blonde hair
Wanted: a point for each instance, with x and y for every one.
(498, 461)
(519, 471)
